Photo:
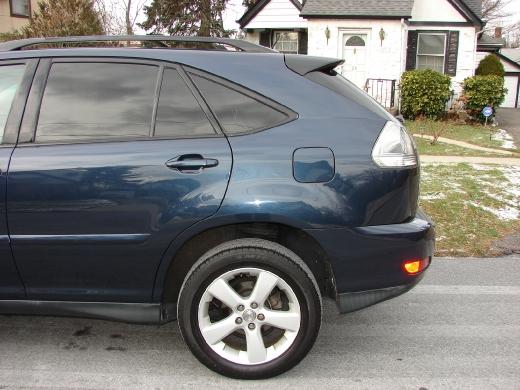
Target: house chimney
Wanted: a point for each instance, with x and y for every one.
(498, 32)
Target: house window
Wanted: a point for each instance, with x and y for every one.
(431, 51)
(286, 41)
(20, 8)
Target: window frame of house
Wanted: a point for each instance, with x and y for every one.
(443, 55)
(276, 41)
(16, 15)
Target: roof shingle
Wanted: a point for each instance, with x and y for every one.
(387, 8)
(381, 8)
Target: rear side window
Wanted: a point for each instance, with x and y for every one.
(237, 112)
(84, 101)
(178, 112)
(10, 79)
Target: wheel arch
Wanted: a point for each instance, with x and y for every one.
(192, 248)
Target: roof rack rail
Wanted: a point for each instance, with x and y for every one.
(161, 39)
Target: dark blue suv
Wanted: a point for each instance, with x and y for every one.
(211, 181)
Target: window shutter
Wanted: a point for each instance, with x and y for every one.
(452, 49)
(411, 53)
(265, 38)
(302, 42)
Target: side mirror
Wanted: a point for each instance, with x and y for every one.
(400, 118)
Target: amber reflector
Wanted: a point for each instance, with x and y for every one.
(412, 266)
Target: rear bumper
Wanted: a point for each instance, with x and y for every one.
(367, 263)
(352, 301)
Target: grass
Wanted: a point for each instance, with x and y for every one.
(442, 149)
(471, 205)
(473, 134)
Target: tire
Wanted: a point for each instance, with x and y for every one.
(241, 272)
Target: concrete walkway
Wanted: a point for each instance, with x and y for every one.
(471, 160)
(465, 145)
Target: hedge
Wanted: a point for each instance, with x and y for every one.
(482, 91)
(424, 93)
(490, 65)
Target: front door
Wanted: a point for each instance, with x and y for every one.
(123, 158)
(11, 77)
(355, 56)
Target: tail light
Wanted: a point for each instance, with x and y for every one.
(394, 148)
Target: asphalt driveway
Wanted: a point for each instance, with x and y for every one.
(459, 329)
(509, 119)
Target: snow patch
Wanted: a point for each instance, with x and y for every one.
(433, 196)
(509, 195)
(480, 167)
(505, 138)
(507, 213)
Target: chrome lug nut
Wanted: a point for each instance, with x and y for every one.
(261, 317)
(254, 305)
(251, 326)
(238, 321)
(240, 307)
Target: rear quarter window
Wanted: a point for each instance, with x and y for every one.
(238, 112)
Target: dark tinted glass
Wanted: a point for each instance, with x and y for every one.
(339, 84)
(236, 112)
(97, 101)
(179, 114)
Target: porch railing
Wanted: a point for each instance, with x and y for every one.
(382, 90)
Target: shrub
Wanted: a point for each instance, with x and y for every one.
(60, 18)
(490, 65)
(482, 91)
(424, 93)
(434, 128)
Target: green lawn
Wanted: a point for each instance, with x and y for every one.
(471, 205)
(473, 134)
(441, 149)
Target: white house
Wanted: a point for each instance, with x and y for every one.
(378, 39)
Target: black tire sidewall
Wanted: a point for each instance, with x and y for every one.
(289, 271)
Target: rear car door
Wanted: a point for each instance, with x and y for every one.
(15, 79)
(115, 158)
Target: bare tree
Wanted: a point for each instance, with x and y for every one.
(120, 16)
(495, 10)
(132, 12)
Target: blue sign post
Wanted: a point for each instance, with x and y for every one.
(487, 112)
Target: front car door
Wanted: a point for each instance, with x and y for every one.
(118, 158)
(15, 78)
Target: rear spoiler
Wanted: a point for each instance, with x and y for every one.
(303, 64)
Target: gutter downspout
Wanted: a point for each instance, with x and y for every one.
(402, 65)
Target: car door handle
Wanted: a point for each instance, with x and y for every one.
(191, 164)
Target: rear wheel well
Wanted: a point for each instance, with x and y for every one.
(294, 239)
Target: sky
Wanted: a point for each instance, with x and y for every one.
(234, 11)
(514, 7)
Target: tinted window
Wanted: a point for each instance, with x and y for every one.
(97, 101)
(236, 112)
(339, 84)
(10, 79)
(178, 112)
